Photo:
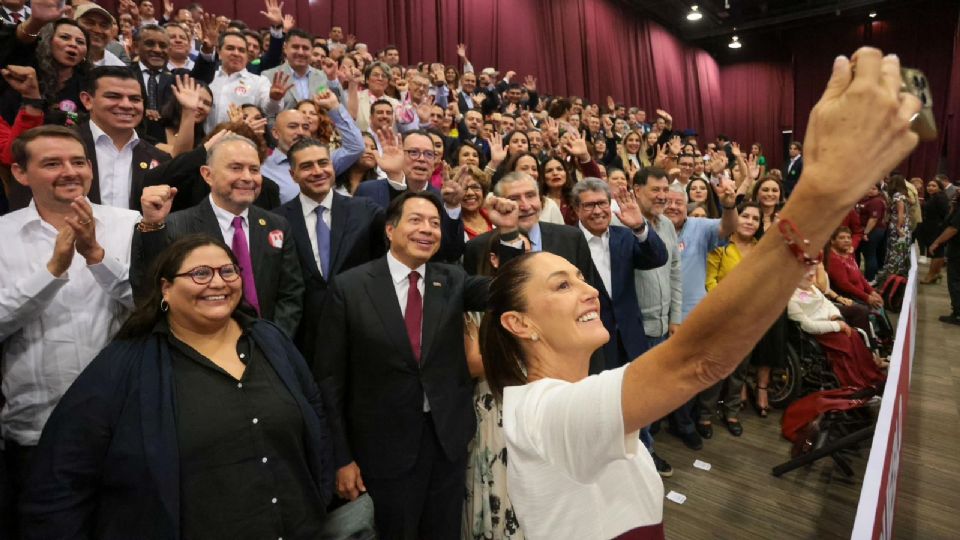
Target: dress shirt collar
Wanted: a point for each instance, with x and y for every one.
(400, 272)
(605, 237)
(31, 215)
(277, 157)
(235, 75)
(310, 206)
(99, 133)
(306, 74)
(536, 238)
(144, 68)
(225, 218)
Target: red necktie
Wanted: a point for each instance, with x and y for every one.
(413, 316)
(16, 17)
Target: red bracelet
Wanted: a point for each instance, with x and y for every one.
(797, 243)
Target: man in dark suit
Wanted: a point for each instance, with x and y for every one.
(616, 252)
(263, 242)
(393, 366)
(14, 11)
(152, 43)
(409, 166)
(562, 240)
(333, 233)
(119, 157)
(794, 168)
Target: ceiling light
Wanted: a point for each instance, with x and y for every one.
(694, 15)
(873, 14)
(735, 43)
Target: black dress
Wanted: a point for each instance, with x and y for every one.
(771, 350)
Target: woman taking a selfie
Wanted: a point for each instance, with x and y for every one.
(576, 467)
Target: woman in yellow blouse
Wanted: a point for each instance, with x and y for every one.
(719, 264)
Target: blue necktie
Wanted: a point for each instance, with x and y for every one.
(323, 243)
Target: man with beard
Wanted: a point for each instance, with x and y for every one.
(307, 80)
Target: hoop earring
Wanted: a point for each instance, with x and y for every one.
(164, 306)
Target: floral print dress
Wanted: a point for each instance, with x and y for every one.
(898, 241)
(488, 514)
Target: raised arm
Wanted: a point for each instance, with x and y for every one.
(862, 114)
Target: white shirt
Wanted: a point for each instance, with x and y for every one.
(145, 75)
(54, 326)
(400, 274)
(109, 59)
(310, 217)
(114, 167)
(225, 220)
(550, 213)
(188, 65)
(572, 471)
(239, 88)
(600, 253)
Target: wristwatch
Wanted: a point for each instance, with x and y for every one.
(641, 228)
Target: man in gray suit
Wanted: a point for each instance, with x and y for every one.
(304, 80)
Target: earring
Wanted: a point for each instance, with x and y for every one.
(164, 306)
(534, 337)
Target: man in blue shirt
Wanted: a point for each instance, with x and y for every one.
(697, 237)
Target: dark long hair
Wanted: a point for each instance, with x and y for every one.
(147, 313)
(503, 357)
(48, 69)
(711, 206)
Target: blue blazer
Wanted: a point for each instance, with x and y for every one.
(107, 465)
(620, 312)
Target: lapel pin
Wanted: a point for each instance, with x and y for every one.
(263, 222)
(436, 284)
(143, 164)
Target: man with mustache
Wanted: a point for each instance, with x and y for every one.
(65, 258)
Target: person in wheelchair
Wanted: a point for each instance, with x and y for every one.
(851, 360)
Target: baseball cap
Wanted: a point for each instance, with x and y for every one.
(89, 7)
(489, 71)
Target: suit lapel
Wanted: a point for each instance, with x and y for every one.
(383, 298)
(435, 289)
(258, 244)
(617, 250)
(301, 235)
(139, 165)
(207, 220)
(87, 136)
(338, 230)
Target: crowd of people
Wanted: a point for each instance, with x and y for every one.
(254, 280)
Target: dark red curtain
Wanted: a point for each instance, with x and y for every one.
(924, 35)
(757, 106)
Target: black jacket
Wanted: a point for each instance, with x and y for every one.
(107, 465)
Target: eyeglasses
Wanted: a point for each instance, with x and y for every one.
(590, 206)
(415, 153)
(202, 275)
(473, 187)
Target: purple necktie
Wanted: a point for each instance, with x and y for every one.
(242, 252)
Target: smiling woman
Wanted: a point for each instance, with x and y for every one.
(576, 469)
(238, 433)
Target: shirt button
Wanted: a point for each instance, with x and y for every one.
(242, 355)
(255, 420)
(264, 460)
(273, 500)
(239, 385)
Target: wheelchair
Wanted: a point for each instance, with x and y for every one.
(805, 369)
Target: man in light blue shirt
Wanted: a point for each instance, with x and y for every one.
(292, 125)
(696, 238)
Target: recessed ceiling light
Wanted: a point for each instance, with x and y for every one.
(735, 43)
(694, 14)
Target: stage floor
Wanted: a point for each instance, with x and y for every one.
(739, 498)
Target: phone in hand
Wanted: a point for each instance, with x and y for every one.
(915, 82)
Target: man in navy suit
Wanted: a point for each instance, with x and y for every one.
(333, 232)
(617, 252)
